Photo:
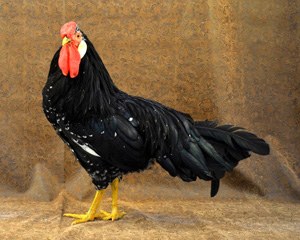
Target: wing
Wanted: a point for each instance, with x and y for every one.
(169, 137)
(114, 140)
(159, 126)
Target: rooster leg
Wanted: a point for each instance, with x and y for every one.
(115, 213)
(91, 214)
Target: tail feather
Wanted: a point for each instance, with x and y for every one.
(214, 187)
(231, 143)
(211, 150)
(235, 137)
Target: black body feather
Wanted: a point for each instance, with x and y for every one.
(113, 133)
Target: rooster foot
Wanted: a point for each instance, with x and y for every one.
(114, 215)
(82, 218)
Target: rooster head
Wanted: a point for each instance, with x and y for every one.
(73, 49)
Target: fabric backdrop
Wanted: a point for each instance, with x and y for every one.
(234, 61)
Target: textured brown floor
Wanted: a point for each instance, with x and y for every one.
(158, 219)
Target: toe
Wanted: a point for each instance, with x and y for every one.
(79, 221)
(79, 216)
(119, 215)
(103, 213)
(114, 215)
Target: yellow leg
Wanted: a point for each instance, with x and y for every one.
(91, 214)
(115, 213)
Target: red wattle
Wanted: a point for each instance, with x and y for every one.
(74, 61)
(69, 60)
(63, 60)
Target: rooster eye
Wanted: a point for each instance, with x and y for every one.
(78, 35)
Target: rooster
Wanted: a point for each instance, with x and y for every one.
(112, 133)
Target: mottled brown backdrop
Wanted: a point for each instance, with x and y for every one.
(235, 61)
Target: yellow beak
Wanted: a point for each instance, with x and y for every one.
(65, 41)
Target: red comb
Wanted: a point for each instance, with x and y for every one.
(68, 29)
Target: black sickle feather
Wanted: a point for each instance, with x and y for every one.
(214, 187)
(233, 136)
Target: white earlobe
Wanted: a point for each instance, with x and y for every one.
(82, 48)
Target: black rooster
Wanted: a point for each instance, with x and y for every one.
(112, 133)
